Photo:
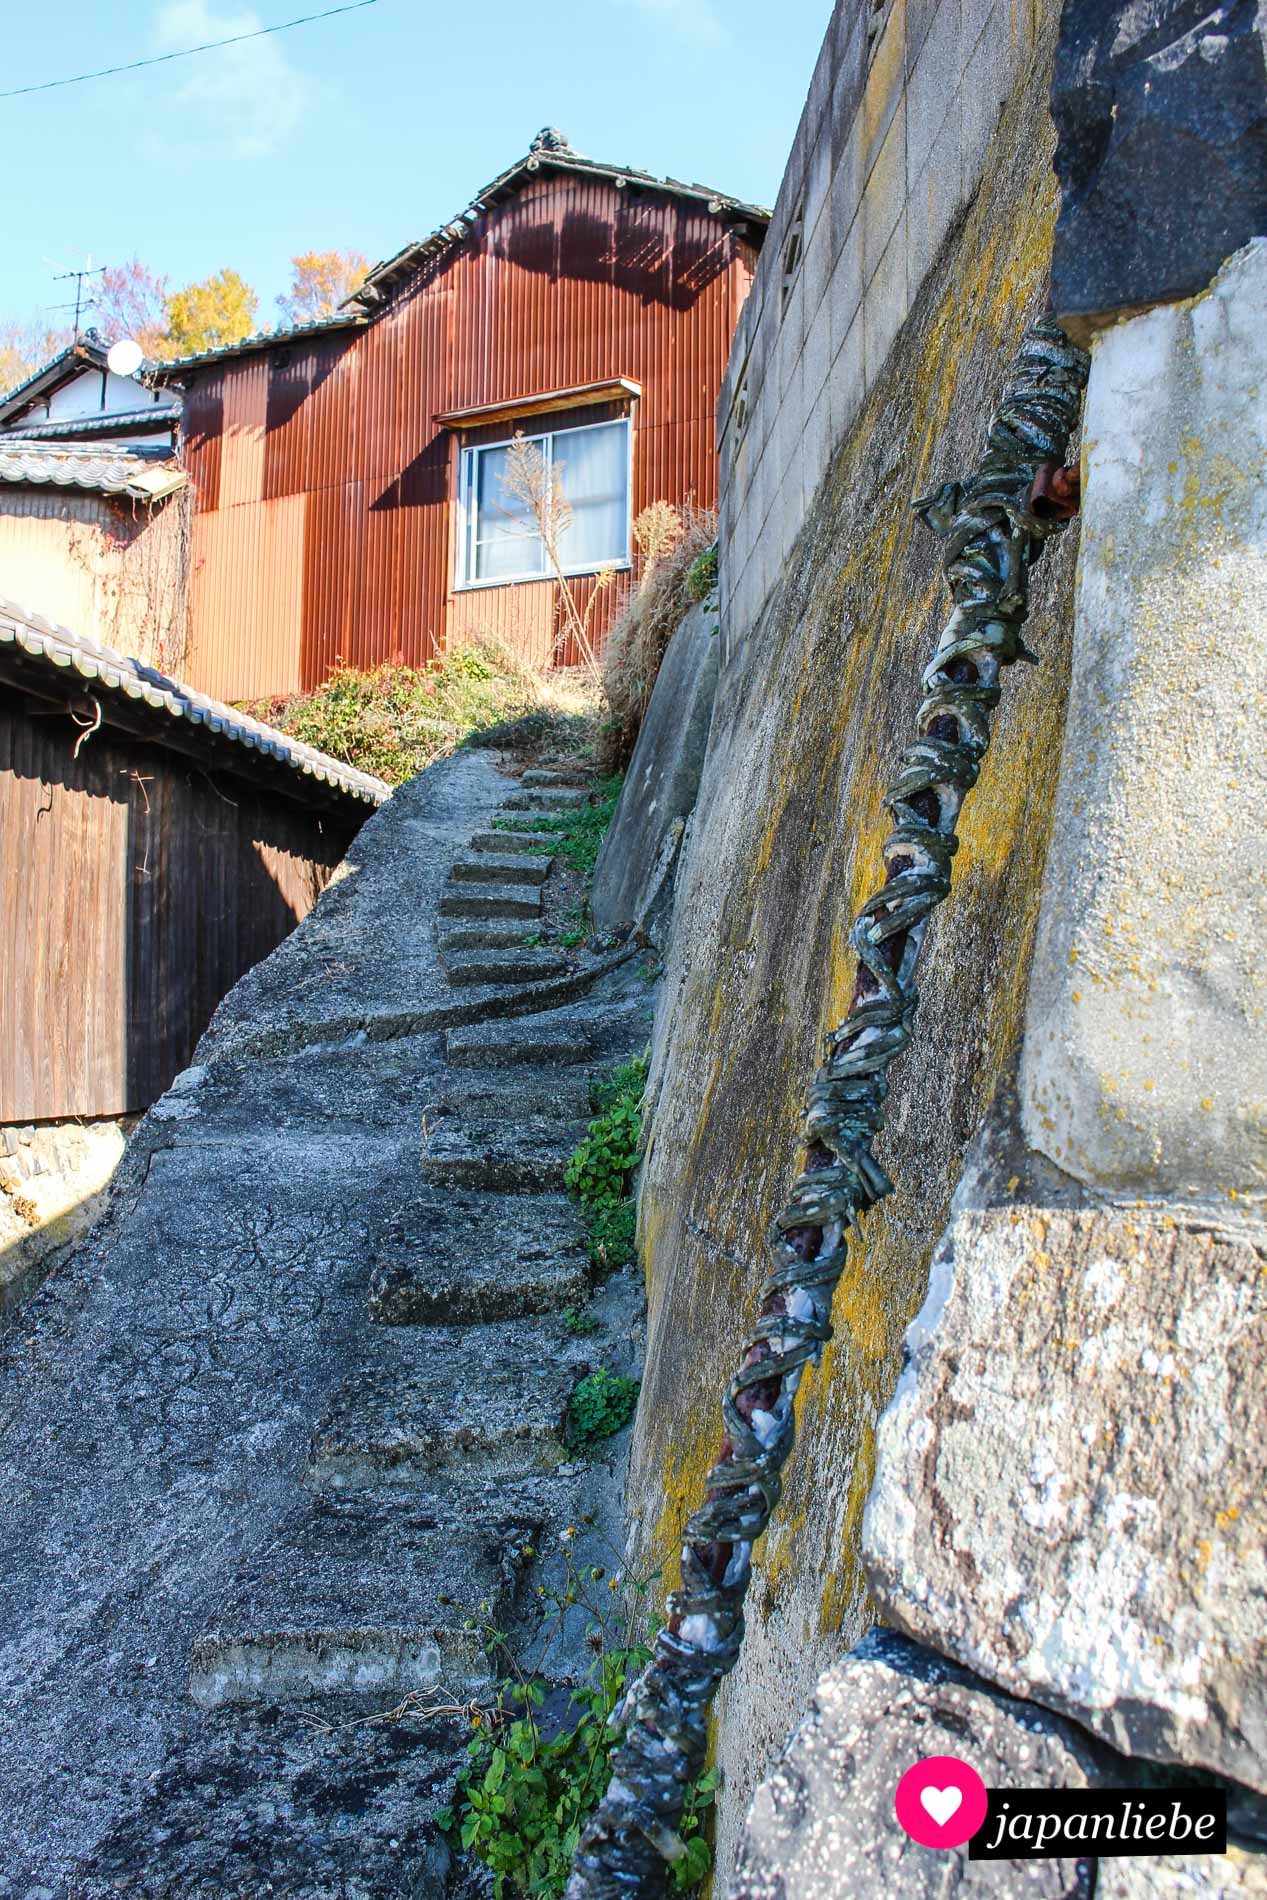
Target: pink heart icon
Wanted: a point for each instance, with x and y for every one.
(941, 1801)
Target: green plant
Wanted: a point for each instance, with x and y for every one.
(601, 1404)
(610, 1233)
(578, 833)
(626, 1083)
(701, 576)
(395, 720)
(598, 1173)
(525, 1794)
(578, 1322)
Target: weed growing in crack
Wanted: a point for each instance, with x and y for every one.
(600, 1405)
(578, 1322)
(578, 833)
(598, 1173)
(531, 1782)
(602, 1166)
(610, 1234)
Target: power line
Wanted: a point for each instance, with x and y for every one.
(161, 59)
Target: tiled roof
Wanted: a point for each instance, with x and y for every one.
(105, 471)
(161, 415)
(86, 349)
(550, 151)
(57, 648)
(261, 340)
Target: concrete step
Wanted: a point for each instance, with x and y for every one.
(547, 1039)
(501, 1157)
(515, 868)
(501, 842)
(503, 966)
(522, 1094)
(538, 777)
(491, 1411)
(490, 900)
(461, 1259)
(557, 800)
(359, 1596)
(492, 935)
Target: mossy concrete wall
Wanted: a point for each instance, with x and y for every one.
(815, 703)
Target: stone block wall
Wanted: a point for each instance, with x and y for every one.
(892, 147)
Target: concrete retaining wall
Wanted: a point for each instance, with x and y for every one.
(817, 696)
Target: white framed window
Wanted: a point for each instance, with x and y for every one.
(500, 540)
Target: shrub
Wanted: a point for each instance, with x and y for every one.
(395, 720)
(701, 575)
(642, 630)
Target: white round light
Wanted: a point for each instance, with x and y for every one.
(125, 357)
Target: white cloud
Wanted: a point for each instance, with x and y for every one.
(242, 99)
(696, 20)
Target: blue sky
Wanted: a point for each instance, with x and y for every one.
(365, 130)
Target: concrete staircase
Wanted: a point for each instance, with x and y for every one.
(388, 1472)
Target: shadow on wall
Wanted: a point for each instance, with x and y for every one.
(138, 891)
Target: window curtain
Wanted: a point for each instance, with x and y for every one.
(593, 465)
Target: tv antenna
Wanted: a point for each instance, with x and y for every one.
(81, 302)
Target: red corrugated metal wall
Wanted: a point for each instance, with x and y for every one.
(325, 522)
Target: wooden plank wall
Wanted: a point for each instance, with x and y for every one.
(134, 891)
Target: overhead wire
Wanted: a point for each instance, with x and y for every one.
(187, 52)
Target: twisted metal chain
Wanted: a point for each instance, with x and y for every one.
(994, 535)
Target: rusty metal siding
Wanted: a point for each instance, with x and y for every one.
(569, 281)
(136, 892)
(203, 430)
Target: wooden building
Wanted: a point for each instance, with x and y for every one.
(153, 846)
(349, 475)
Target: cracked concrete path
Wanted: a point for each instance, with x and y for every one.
(296, 1410)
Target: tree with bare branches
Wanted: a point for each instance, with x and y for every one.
(538, 488)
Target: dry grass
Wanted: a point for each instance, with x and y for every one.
(396, 720)
(644, 626)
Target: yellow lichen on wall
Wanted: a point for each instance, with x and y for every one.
(814, 710)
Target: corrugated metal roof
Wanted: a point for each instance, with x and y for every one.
(23, 632)
(549, 152)
(261, 340)
(106, 471)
